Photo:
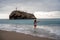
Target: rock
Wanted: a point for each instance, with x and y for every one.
(21, 15)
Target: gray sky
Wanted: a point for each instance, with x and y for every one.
(6, 6)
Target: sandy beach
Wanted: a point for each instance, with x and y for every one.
(5, 35)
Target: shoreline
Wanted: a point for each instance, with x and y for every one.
(11, 35)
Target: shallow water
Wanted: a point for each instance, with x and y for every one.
(49, 29)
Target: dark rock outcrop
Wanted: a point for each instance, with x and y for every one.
(21, 15)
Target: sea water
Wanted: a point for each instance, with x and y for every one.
(45, 27)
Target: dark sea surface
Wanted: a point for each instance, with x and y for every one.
(45, 27)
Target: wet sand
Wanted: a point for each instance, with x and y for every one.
(5, 35)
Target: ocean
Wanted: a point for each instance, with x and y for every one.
(45, 27)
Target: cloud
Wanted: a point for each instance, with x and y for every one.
(36, 5)
(4, 16)
(6, 6)
(53, 14)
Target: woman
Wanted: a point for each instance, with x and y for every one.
(35, 23)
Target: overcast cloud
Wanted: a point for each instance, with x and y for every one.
(6, 6)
